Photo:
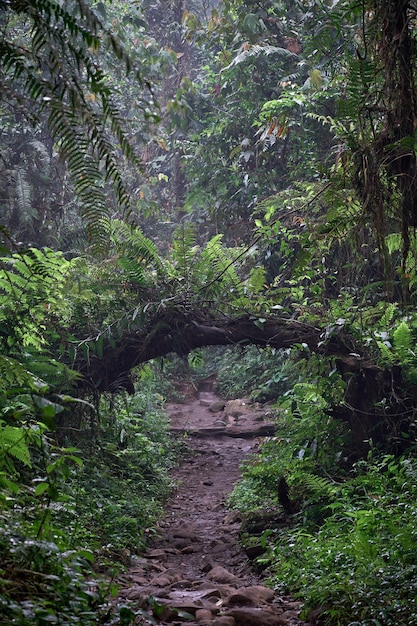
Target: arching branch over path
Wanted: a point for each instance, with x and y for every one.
(176, 332)
(182, 333)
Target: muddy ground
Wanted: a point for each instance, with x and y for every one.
(195, 571)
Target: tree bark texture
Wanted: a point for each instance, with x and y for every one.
(181, 334)
(366, 383)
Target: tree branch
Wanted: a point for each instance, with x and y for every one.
(181, 333)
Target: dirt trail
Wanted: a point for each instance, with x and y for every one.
(195, 569)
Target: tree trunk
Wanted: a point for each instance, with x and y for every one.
(367, 384)
(182, 334)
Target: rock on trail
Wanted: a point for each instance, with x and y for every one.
(195, 571)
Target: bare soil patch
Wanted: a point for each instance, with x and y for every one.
(195, 571)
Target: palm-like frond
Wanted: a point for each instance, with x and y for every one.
(216, 266)
(137, 255)
(319, 485)
(30, 284)
(184, 250)
(23, 194)
(264, 50)
(57, 74)
(13, 442)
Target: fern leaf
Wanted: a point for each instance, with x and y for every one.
(52, 74)
(402, 342)
(14, 374)
(388, 315)
(386, 354)
(319, 485)
(184, 249)
(257, 280)
(131, 242)
(222, 276)
(133, 270)
(12, 442)
(257, 50)
(23, 195)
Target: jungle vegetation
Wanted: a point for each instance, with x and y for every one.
(180, 174)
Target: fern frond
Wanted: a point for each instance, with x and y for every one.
(257, 280)
(130, 242)
(30, 286)
(133, 270)
(23, 195)
(335, 125)
(386, 354)
(257, 50)
(12, 442)
(319, 485)
(394, 242)
(390, 310)
(216, 263)
(343, 214)
(402, 341)
(56, 71)
(185, 249)
(43, 160)
(14, 375)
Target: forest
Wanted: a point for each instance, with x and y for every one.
(199, 187)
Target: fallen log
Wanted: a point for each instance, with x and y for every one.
(110, 370)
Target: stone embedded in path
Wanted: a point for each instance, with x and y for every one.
(220, 575)
(167, 577)
(157, 553)
(238, 407)
(255, 595)
(189, 550)
(186, 531)
(291, 615)
(203, 616)
(216, 407)
(180, 544)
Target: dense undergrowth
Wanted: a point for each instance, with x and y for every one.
(262, 374)
(62, 544)
(348, 549)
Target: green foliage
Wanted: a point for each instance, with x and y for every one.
(308, 446)
(138, 255)
(13, 443)
(75, 506)
(58, 75)
(31, 297)
(135, 451)
(402, 341)
(357, 566)
(404, 345)
(31, 291)
(349, 553)
(228, 168)
(257, 50)
(42, 584)
(262, 374)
